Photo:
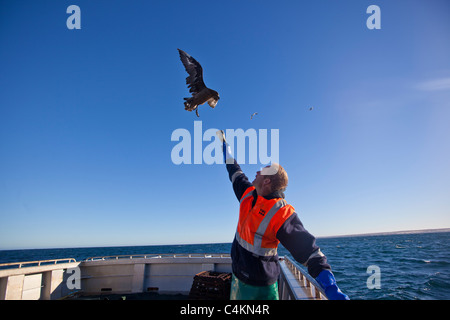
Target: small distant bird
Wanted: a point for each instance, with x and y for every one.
(310, 109)
(200, 93)
(253, 114)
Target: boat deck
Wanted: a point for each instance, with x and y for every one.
(133, 277)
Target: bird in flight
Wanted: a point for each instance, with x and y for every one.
(253, 114)
(200, 93)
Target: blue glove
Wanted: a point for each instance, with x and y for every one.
(328, 282)
(227, 157)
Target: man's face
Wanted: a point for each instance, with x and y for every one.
(259, 178)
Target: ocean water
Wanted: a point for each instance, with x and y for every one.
(411, 266)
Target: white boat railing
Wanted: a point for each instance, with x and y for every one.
(296, 284)
(37, 263)
(159, 256)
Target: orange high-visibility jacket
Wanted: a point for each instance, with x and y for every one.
(258, 225)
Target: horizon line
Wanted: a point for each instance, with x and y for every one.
(388, 233)
(203, 243)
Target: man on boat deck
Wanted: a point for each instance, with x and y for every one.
(265, 220)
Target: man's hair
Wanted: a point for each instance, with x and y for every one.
(279, 180)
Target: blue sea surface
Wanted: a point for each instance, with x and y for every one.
(412, 266)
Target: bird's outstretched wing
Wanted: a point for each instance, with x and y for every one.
(195, 71)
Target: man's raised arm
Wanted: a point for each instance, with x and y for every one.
(237, 177)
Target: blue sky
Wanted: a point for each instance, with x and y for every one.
(86, 116)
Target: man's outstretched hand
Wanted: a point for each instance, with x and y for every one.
(227, 157)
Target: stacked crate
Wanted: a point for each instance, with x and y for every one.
(210, 285)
